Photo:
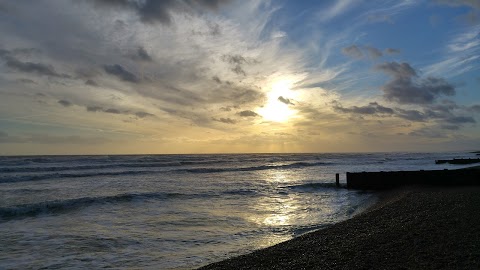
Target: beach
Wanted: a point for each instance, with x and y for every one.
(411, 228)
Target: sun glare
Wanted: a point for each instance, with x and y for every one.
(277, 110)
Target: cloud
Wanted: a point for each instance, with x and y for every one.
(121, 72)
(153, 11)
(94, 109)
(27, 81)
(141, 55)
(373, 108)
(460, 120)
(360, 52)
(446, 113)
(65, 103)
(411, 115)
(248, 113)
(91, 82)
(450, 127)
(224, 120)
(285, 100)
(143, 114)
(114, 111)
(353, 51)
(396, 70)
(337, 9)
(237, 62)
(138, 114)
(373, 53)
(28, 67)
(406, 88)
(392, 51)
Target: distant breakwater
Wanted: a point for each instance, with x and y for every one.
(393, 179)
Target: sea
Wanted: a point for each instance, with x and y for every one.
(175, 211)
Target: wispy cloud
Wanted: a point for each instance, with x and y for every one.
(336, 9)
(460, 55)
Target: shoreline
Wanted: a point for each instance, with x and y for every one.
(413, 227)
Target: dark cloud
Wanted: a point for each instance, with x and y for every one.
(225, 120)
(396, 70)
(411, 115)
(360, 52)
(28, 67)
(26, 81)
(285, 100)
(114, 111)
(153, 11)
(138, 114)
(234, 59)
(239, 70)
(91, 82)
(373, 108)
(215, 29)
(121, 72)
(446, 113)
(216, 79)
(248, 113)
(392, 51)
(94, 109)
(143, 114)
(237, 62)
(353, 51)
(450, 127)
(373, 53)
(141, 55)
(65, 103)
(460, 120)
(241, 96)
(406, 88)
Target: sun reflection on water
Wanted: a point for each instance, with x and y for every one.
(292, 207)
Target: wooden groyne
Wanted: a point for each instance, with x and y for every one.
(388, 180)
(458, 161)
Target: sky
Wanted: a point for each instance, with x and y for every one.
(220, 76)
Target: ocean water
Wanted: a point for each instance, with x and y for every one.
(174, 211)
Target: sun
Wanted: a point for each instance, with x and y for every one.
(276, 110)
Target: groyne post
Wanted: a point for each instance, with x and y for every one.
(337, 179)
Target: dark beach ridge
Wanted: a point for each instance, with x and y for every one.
(410, 228)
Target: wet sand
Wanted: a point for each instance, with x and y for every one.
(414, 228)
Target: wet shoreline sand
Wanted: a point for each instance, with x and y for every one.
(410, 228)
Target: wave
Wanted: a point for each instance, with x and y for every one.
(63, 206)
(48, 176)
(58, 206)
(258, 168)
(311, 186)
(106, 166)
(26, 178)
